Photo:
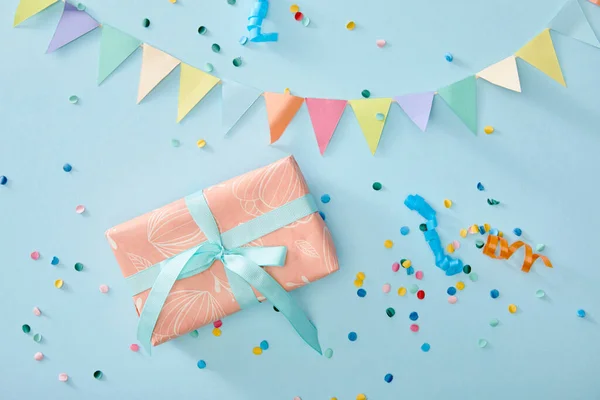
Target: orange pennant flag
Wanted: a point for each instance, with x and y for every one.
(281, 109)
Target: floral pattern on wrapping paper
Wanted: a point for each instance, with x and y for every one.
(171, 231)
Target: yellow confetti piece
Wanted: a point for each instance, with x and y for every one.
(286, 90)
(361, 397)
(487, 227)
(501, 234)
(257, 351)
(201, 143)
(450, 248)
(401, 291)
(361, 276)
(512, 308)
(388, 244)
(58, 283)
(350, 25)
(358, 282)
(216, 332)
(447, 203)
(488, 129)
(406, 263)
(460, 285)
(294, 8)
(474, 229)
(463, 233)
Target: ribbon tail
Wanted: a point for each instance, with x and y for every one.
(268, 287)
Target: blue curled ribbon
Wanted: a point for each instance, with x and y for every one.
(242, 266)
(442, 260)
(255, 20)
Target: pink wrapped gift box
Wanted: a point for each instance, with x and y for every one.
(206, 297)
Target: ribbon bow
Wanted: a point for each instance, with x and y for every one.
(242, 266)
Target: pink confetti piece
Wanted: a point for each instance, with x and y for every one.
(63, 377)
(380, 43)
(35, 255)
(452, 299)
(414, 328)
(386, 288)
(37, 312)
(134, 347)
(218, 323)
(80, 209)
(103, 288)
(395, 267)
(419, 275)
(456, 245)
(39, 357)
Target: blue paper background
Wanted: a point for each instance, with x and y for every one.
(541, 163)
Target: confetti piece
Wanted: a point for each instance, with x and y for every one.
(35, 255)
(473, 277)
(404, 230)
(413, 289)
(452, 299)
(201, 364)
(447, 203)
(352, 336)
(494, 231)
(215, 47)
(540, 247)
(451, 291)
(361, 292)
(98, 374)
(487, 227)
(419, 275)
(26, 328)
(67, 167)
(448, 57)
(493, 202)
(480, 187)
(380, 43)
(395, 267)
(37, 312)
(3, 180)
(217, 332)
(463, 233)
(413, 316)
(81, 6)
(134, 347)
(294, 8)
(358, 282)
(194, 333)
(488, 130)
(467, 269)
(494, 322)
(55, 261)
(512, 308)
(146, 23)
(80, 209)
(390, 312)
(410, 271)
(63, 377)
(328, 353)
(425, 347)
(388, 244)
(322, 214)
(201, 143)
(361, 276)
(103, 288)
(175, 143)
(479, 243)
(401, 291)
(482, 229)
(38, 356)
(361, 396)
(581, 313)
(450, 248)
(386, 288)
(264, 345)
(78, 267)
(37, 338)
(202, 30)
(506, 251)
(243, 40)
(208, 67)
(460, 285)
(237, 62)
(218, 323)
(474, 229)
(58, 283)
(350, 25)
(377, 186)
(494, 293)
(423, 227)
(482, 343)
(406, 263)
(517, 231)
(173, 1)
(456, 244)
(298, 16)
(257, 351)
(379, 117)
(414, 328)
(325, 198)
(540, 293)
(366, 94)
(421, 294)
(306, 21)
(73, 99)
(388, 378)
(231, 2)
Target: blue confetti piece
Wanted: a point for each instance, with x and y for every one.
(67, 167)
(482, 229)
(425, 347)
(201, 364)
(361, 292)
(54, 261)
(322, 215)
(581, 313)
(480, 187)
(388, 378)
(264, 345)
(494, 231)
(325, 198)
(494, 293)
(451, 291)
(352, 336)
(413, 316)
(410, 271)
(518, 231)
(404, 230)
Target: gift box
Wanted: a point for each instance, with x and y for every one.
(206, 256)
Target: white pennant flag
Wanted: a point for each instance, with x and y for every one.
(237, 100)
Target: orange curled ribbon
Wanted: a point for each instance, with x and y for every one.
(507, 251)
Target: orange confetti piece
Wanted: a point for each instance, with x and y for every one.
(507, 251)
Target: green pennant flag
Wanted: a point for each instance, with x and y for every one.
(115, 47)
(461, 96)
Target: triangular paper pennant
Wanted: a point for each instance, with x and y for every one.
(115, 47)
(540, 53)
(237, 100)
(194, 84)
(504, 74)
(73, 24)
(156, 65)
(417, 107)
(461, 96)
(571, 21)
(281, 109)
(28, 8)
(325, 115)
(367, 113)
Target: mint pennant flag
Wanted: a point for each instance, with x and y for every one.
(237, 100)
(73, 24)
(571, 21)
(461, 96)
(115, 47)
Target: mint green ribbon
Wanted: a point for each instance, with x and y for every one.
(242, 266)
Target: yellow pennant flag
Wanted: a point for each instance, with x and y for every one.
(193, 86)
(28, 8)
(371, 115)
(504, 74)
(540, 53)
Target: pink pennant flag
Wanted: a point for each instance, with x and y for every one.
(73, 24)
(417, 107)
(325, 115)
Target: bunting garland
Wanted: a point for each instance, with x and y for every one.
(116, 46)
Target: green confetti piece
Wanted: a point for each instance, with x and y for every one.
(175, 143)
(26, 328)
(231, 2)
(493, 202)
(81, 6)
(237, 61)
(494, 322)
(377, 186)
(73, 99)
(366, 94)
(413, 289)
(202, 30)
(146, 23)
(390, 312)
(328, 353)
(194, 333)
(540, 247)
(216, 48)
(474, 277)
(98, 374)
(37, 338)
(379, 116)
(78, 267)
(479, 243)
(209, 67)
(423, 227)
(482, 343)
(467, 269)
(540, 293)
